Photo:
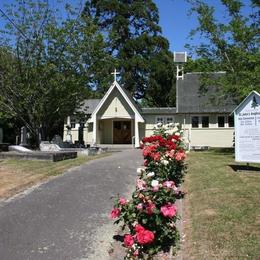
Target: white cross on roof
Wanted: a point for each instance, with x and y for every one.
(115, 73)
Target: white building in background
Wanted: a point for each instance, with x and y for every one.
(118, 119)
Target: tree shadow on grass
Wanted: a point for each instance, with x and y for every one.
(246, 168)
(229, 150)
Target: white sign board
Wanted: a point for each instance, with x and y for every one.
(247, 129)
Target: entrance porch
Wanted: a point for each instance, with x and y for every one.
(116, 131)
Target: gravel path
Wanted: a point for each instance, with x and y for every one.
(67, 217)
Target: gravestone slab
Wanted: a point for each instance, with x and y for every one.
(48, 147)
(18, 148)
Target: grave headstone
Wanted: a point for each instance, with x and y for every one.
(57, 140)
(23, 136)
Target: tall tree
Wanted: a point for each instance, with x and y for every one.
(232, 45)
(45, 64)
(133, 38)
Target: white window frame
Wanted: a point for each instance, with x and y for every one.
(164, 120)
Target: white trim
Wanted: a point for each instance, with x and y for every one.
(138, 116)
(249, 96)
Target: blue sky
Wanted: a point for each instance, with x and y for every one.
(174, 19)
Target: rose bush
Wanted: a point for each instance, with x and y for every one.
(151, 214)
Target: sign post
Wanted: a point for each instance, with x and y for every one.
(247, 129)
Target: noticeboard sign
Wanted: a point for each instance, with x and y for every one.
(247, 129)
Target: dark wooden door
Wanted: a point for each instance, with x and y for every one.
(122, 132)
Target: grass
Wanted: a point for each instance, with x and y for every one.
(222, 208)
(17, 175)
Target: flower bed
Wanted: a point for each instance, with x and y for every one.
(151, 215)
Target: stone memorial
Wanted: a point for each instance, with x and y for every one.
(23, 136)
(57, 140)
(247, 129)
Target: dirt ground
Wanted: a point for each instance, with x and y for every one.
(13, 181)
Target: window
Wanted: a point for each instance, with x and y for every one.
(73, 122)
(82, 123)
(205, 121)
(231, 121)
(159, 119)
(169, 120)
(221, 121)
(195, 121)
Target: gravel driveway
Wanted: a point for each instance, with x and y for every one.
(67, 217)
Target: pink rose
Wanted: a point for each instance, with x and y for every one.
(180, 155)
(122, 201)
(168, 184)
(170, 153)
(169, 210)
(145, 237)
(145, 162)
(128, 240)
(140, 184)
(115, 213)
(136, 252)
(140, 206)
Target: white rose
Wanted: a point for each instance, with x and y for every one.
(165, 162)
(155, 183)
(159, 125)
(150, 174)
(177, 133)
(139, 170)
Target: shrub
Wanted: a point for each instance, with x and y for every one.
(151, 215)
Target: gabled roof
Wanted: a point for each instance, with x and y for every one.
(246, 99)
(128, 98)
(189, 99)
(89, 105)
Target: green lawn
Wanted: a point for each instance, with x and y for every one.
(223, 208)
(17, 175)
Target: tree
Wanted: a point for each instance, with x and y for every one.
(45, 65)
(133, 38)
(231, 45)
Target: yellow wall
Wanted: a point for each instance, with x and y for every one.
(115, 107)
(106, 126)
(214, 137)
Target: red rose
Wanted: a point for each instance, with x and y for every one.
(139, 228)
(145, 237)
(149, 208)
(169, 210)
(156, 156)
(115, 213)
(128, 240)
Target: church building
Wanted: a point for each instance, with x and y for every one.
(118, 119)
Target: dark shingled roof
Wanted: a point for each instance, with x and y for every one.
(89, 105)
(189, 99)
(159, 110)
